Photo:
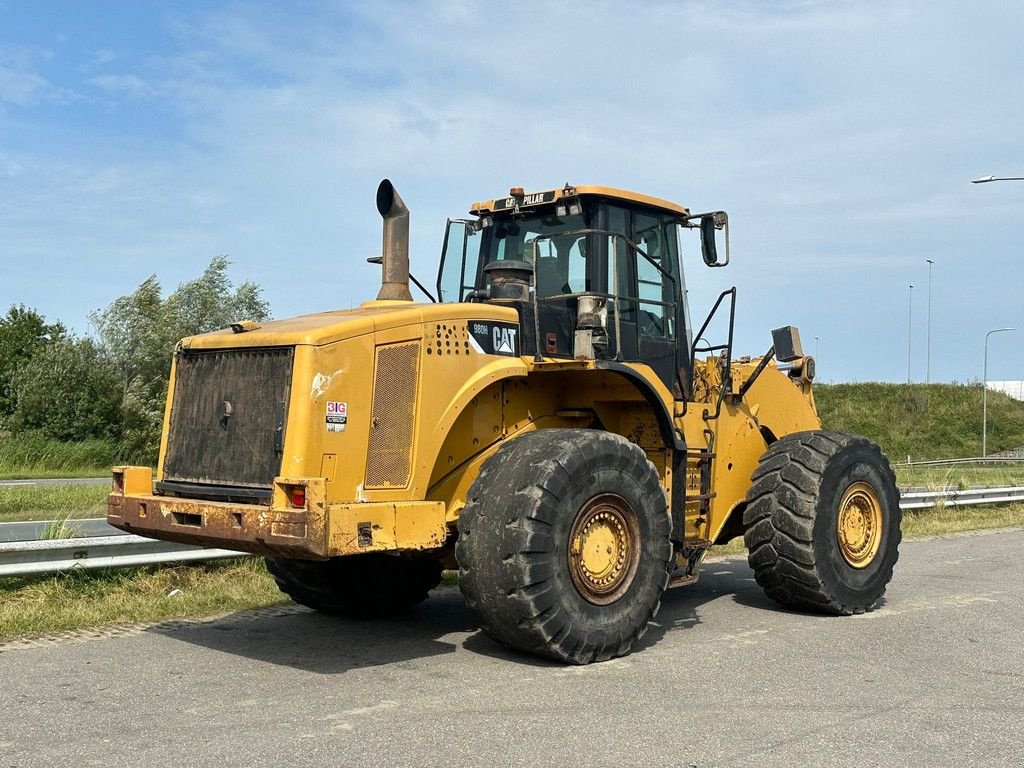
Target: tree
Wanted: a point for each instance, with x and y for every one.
(23, 332)
(68, 390)
(139, 331)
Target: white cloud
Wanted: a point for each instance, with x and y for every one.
(839, 136)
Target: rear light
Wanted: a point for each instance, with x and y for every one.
(297, 496)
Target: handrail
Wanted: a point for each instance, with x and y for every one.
(727, 368)
(615, 295)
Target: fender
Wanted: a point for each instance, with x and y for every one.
(493, 371)
(669, 433)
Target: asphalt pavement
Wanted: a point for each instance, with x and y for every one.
(934, 677)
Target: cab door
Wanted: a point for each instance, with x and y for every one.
(656, 272)
(460, 257)
(649, 288)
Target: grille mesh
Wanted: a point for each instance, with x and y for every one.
(393, 415)
(228, 416)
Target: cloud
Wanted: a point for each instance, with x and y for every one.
(838, 135)
(21, 85)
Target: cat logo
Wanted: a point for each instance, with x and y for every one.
(504, 340)
(491, 338)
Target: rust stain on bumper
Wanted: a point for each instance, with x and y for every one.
(253, 528)
(315, 531)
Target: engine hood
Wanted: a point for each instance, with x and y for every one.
(328, 327)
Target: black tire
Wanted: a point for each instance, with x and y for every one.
(799, 492)
(359, 586)
(522, 514)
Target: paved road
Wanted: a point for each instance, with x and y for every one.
(935, 677)
(56, 481)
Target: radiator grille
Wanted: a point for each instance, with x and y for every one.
(228, 417)
(393, 416)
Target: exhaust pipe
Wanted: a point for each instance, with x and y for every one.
(394, 283)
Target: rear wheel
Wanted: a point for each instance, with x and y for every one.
(359, 586)
(823, 522)
(564, 544)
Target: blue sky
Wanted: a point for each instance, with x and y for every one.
(140, 138)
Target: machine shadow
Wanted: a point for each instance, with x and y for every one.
(331, 645)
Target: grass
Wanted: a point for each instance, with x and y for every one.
(47, 604)
(49, 502)
(932, 522)
(960, 476)
(38, 457)
(923, 421)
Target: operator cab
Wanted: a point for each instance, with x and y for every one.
(594, 273)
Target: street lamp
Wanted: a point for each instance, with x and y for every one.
(987, 179)
(815, 347)
(910, 327)
(928, 369)
(984, 396)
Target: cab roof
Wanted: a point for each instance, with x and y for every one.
(533, 199)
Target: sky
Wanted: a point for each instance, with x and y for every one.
(147, 138)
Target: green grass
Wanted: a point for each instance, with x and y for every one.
(931, 522)
(50, 502)
(34, 456)
(46, 604)
(960, 476)
(936, 421)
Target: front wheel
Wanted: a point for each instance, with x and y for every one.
(563, 545)
(823, 522)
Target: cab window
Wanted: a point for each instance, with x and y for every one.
(657, 274)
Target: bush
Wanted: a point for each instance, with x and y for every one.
(69, 390)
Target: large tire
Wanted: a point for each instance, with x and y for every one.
(359, 586)
(564, 546)
(823, 522)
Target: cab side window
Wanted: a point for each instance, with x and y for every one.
(656, 274)
(619, 254)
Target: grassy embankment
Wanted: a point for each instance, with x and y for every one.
(36, 457)
(45, 604)
(940, 421)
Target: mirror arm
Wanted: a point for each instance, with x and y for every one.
(419, 285)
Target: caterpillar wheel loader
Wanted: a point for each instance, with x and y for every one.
(551, 424)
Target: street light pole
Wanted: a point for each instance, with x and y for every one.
(984, 395)
(987, 179)
(928, 369)
(910, 326)
(815, 347)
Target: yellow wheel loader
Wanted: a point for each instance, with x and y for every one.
(551, 424)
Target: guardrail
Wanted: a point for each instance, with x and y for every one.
(97, 545)
(957, 498)
(974, 460)
(102, 546)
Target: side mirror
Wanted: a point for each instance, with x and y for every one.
(708, 247)
(711, 224)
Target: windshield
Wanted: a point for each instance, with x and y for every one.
(471, 245)
(561, 261)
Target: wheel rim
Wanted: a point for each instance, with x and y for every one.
(859, 525)
(604, 549)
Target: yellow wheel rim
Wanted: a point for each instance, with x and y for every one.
(859, 525)
(604, 549)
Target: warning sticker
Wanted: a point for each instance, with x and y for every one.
(337, 416)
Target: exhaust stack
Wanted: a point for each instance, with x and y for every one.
(394, 284)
